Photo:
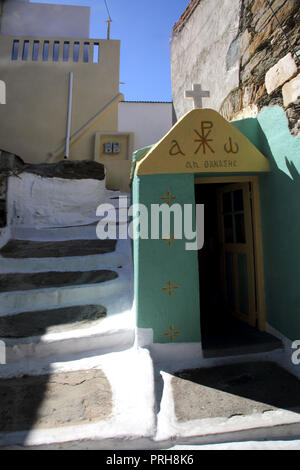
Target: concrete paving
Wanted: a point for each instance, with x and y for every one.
(68, 413)
(51, 400)
(234, 390)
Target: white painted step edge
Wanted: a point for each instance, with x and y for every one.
(70, 263)
(89, 340)
(40, 299)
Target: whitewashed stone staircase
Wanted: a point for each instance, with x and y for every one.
(113, 332)
(68, 312)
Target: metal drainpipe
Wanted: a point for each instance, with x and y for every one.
(69, 116)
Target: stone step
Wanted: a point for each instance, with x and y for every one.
(26, 292)
(70, 330)
(81, 232)
(67, 345)
(92, 402)
(33, 281)
(76, 232)
(58, 249)
(120, 257)
(39, 323)
(71, 263)
(113, 216)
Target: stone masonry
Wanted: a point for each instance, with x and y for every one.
(263, 48)
(269, 61)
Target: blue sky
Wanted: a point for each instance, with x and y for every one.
(144, 28)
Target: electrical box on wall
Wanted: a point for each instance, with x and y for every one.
(114, 150)
(112, 147)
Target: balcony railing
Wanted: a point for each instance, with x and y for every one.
(56, 50)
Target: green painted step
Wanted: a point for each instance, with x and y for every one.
(32, 249)
(38, 323)
(25, 281)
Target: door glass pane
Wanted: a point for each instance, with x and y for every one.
(227, 205)
(238, 203)
(228, 228)
(243, 284)
(240, 236)
(229, 273)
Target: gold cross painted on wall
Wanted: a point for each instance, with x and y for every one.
(171, 289)
(170, 239)
(168, 198)
(171, 333)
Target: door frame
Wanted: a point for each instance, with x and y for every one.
(257, 238)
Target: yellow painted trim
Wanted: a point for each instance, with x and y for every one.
(225, 179)
(202, 141)
(258, 251)
(257, 235)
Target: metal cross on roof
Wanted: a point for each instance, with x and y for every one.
(197, 94)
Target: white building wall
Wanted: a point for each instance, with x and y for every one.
(148, 121)
(22, 18)
(206, 51)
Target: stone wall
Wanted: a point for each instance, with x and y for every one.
(256, 63)
(269, 60)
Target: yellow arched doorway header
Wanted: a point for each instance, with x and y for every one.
(202, 141)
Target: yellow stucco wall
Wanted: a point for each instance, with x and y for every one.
(118, 165)
(34, 119)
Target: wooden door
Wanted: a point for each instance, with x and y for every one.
(237, 251)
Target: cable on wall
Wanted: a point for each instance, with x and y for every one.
(296, 57)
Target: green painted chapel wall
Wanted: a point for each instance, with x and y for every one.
(280, 216)
(280, 205)
(155, 263)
